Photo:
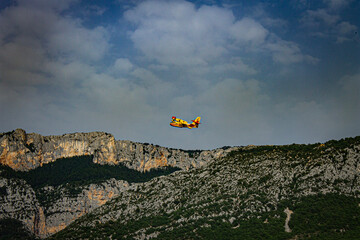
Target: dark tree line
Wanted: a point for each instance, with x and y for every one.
(81, 170)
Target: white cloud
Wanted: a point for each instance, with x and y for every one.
(34, 37)
(262, 15)
(46, 5)
(337, 4)
(70, 75)
(328, 23)
(146, 77)
(71, 40)
(315, 17)
(287, 52)
(39, 25)
(94, 10)
(159, 67)
(237, 65)
(248, 31)
(178, 33)
(123, 65)
(345, 31)
(49, 76)
(345, 28)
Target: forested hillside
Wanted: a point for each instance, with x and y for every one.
(257, 192)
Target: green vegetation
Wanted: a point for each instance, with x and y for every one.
(330, 216)
(3, 191)
(193, 153)
(80, 170)
(296, 150)
(11, 229)
(74, 172)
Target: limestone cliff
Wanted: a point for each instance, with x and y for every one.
(22, 151)
(18, 201)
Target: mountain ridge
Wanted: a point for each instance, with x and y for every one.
(225, 192)
(22, 151)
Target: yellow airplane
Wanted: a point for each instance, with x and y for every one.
(177, 122)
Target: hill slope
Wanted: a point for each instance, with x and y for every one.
(47, 182)
(265, 192)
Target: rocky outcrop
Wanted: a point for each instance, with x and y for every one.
(288, 213)
(69, 208)
(22, 151)
(19, 201)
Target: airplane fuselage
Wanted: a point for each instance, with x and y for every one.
(179, 123)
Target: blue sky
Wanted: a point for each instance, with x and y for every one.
(257, 72)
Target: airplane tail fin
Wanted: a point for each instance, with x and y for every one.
(196, 122)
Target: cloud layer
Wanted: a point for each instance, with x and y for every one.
(59, 73)
(178, 33)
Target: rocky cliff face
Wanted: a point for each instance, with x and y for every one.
(22, 151)
(19, 201)
(69, 208)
